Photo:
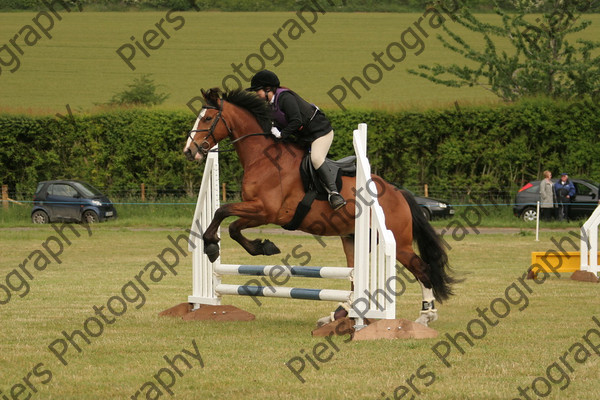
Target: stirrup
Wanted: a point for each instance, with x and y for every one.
(336, 201)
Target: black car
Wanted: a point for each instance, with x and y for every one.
(582, 204)
(432, 208)
(68, 200)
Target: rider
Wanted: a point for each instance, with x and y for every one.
(292, 115)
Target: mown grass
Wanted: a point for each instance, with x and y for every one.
(79, 65)
(248, 359)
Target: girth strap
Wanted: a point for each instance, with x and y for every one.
(301, 211)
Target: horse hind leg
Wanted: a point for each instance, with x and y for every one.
(428, 310)
(419, 269)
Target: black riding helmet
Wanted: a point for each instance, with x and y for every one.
(263, 79)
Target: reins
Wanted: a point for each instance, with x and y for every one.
(237, 140)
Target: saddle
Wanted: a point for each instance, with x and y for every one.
(315, 189)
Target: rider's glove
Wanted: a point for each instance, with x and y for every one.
(276, 132)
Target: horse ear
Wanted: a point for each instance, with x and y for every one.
(212, 96)
(206, 95)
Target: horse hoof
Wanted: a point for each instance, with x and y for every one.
(269, 248)
(423, 320)
(324, 321)
(427, 317)
(212, 251)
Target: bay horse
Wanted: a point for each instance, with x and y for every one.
(272, 189)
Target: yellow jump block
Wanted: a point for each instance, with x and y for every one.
(556, 262)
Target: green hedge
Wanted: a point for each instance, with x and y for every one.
(471, 152)
(114, 150)
(457, 152)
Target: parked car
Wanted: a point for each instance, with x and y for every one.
(68, 200)
(432, 208)
(582, 205)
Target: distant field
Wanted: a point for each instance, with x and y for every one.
(79, 65)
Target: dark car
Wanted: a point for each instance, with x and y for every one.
(582, 205)
(432, 208)
(67, 200)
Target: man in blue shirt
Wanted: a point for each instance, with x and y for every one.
(565, 192)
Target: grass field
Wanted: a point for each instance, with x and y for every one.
(247, 360)
(79, 66)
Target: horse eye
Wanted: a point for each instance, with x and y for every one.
(207, 118)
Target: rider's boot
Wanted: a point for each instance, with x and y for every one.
(328, 178)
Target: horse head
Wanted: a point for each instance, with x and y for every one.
(210, 128)
(217, 120)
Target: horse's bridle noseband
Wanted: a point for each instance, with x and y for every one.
(205, 146)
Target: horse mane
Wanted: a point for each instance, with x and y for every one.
(250, 101)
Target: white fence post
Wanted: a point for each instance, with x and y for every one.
(374, 276)
(588, 245)
(204, 279)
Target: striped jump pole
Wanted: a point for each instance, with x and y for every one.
(286, 292)
(285, 271)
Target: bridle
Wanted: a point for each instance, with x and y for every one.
(205, 146)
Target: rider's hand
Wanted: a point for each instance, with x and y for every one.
(276, 132)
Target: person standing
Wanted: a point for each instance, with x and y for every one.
(565, 191)
(546, 197)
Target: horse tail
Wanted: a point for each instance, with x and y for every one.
(431, 251)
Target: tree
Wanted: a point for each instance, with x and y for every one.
(141, 92)
(543, 61)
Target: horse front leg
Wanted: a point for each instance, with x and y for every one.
(253, 247)
(247, 210)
